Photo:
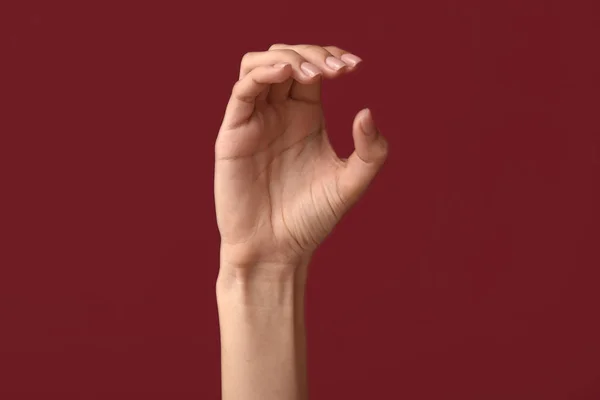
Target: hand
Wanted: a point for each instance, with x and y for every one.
(279, 186)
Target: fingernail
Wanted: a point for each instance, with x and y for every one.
(281, 65)
(334, 63)
(351, 59)
(368, 124)
(310, 69)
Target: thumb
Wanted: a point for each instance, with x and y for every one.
(370, 152)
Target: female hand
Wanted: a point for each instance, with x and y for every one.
(280, 188)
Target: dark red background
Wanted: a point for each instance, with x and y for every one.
(470, 271)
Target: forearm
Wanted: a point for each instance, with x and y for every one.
(263, 351)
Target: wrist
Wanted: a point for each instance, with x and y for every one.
(262, 327)
(261, 284)
(245, 263)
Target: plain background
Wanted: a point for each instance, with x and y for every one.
(470, 270)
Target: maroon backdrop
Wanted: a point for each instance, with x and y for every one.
(470, 271)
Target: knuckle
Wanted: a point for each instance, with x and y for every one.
(289, 54)
(314, 49)
(246, 58)
(334, 50)
(276, 46)
(237, 87)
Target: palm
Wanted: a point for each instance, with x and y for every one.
(279, 186)
(281, 163)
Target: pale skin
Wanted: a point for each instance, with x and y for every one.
(280, 189)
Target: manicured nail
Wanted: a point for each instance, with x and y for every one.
(310, 69)
(368, 124)
(281, 65)
(351, 59)
(334, 63)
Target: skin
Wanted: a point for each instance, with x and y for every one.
(280, 189)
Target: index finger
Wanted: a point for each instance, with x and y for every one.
(246, 91)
